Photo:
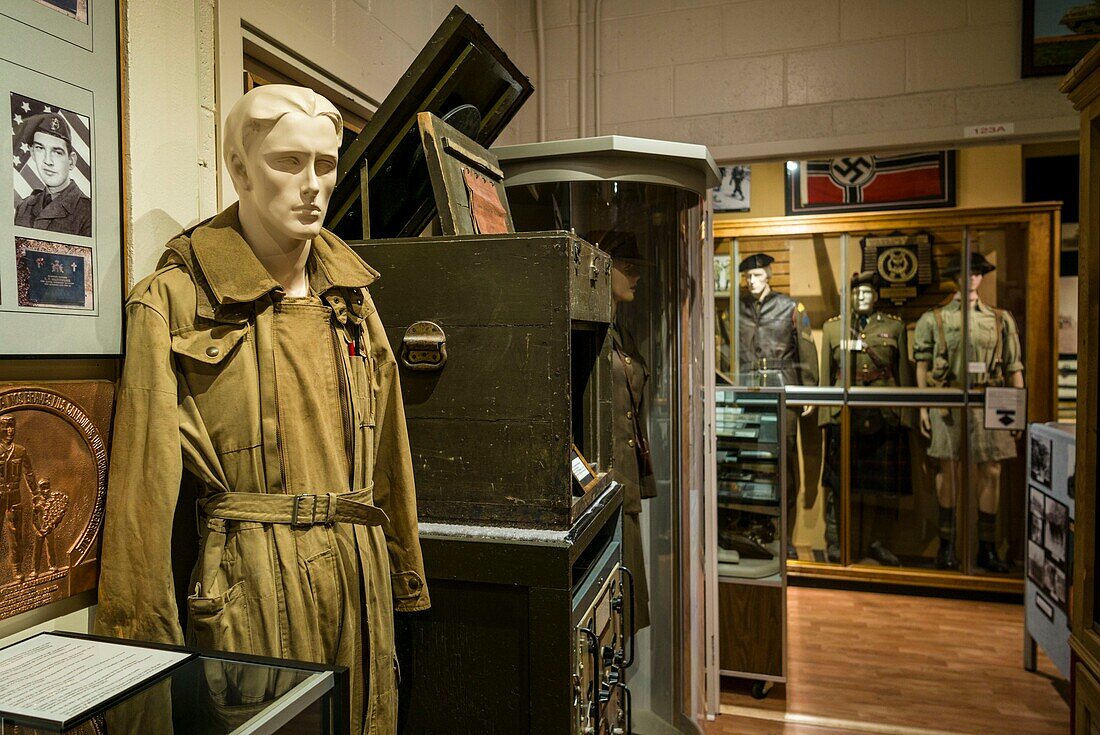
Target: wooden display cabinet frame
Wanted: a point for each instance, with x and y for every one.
(1082, 86)
(1043, 225)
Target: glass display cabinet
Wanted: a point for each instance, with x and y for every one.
(751, 454)
(893, 473)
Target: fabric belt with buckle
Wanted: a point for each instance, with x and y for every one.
(295, 510)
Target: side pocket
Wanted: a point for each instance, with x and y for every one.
(222, 622)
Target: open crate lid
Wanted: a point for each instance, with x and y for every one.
(462, 76)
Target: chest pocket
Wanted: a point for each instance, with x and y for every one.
(218, 365)
(984, 338)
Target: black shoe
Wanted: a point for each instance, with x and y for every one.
(989, 560)
(945, 557)
(792, 552)
(883, 555)
(832, 552)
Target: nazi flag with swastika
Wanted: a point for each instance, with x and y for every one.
(861, 182)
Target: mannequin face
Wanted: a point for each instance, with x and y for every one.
(757, 279)
(287, 177)
(864, 298)
(975, 281)
(624, 280)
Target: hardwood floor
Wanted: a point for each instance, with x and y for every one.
(862, 662)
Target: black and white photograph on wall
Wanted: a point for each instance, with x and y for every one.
(51, 155)
(76, 9)
(732, 192)
(53, 274)
(1036, 562)
(1040, 460)
(1054, 583)
(1036, 511)
(1054, 529)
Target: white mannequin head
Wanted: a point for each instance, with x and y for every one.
(864, 297)
(975, 282)
(758, 280)
(281, 146)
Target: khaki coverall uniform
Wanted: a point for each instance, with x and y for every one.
(629, 376)
(288, 411)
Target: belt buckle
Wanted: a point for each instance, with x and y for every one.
(296, 509)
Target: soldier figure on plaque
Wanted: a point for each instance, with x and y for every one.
(47, 509)
(774, 335)
(877, 356)
(15, 468)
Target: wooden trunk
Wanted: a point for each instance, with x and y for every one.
(527, 375)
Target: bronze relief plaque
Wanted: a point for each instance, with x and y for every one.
(53, 488)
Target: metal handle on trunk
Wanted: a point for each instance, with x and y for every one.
(424, 347)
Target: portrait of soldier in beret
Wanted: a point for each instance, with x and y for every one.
(47, 163)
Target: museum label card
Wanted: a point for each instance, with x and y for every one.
(1006, 409)
(57, 678)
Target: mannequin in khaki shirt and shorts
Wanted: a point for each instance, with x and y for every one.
(994, 342)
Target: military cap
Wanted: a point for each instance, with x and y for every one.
(618, 244)
(756, 260)
(869, 277)
(50, 123)
(978, 265)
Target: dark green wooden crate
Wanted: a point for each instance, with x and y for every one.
(527, 375)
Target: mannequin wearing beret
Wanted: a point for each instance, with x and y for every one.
(994, 344)
(877, 356)
(774, 335)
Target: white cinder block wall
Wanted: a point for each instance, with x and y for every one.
(771, 78)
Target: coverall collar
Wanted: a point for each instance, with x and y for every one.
(235, 275)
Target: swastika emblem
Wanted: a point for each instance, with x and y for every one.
(852, 170)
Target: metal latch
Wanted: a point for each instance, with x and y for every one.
(424, 347)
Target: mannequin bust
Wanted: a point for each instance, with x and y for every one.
(942, 360)
(257, 363)
(877, 355)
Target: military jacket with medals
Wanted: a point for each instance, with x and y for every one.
(288, 413)
(878, 356)
(774, 334)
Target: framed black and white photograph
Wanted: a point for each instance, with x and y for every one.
(721, 274)
(733, 191)
(1035, 515)
(75, 9)
(51, 155)
(1050, 579)
(61, 239)
(1059, 588)
(1071, 469)
(1054, 529)
(1036, 562)
(1040, 460)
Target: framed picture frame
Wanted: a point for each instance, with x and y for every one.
(864, 182)
(61, 258)
(1056, 35)
(734, 190)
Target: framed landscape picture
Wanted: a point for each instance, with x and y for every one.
(1057, 34)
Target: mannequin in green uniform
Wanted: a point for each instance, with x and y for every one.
(629, 375)
(995, 348)
(877, 357)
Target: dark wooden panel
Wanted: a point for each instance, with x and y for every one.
(750, 628)
(473, 281)
(492, 373)
(590, 285)
(495, 472)
(466, 661)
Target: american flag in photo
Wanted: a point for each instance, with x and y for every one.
(26, 177)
